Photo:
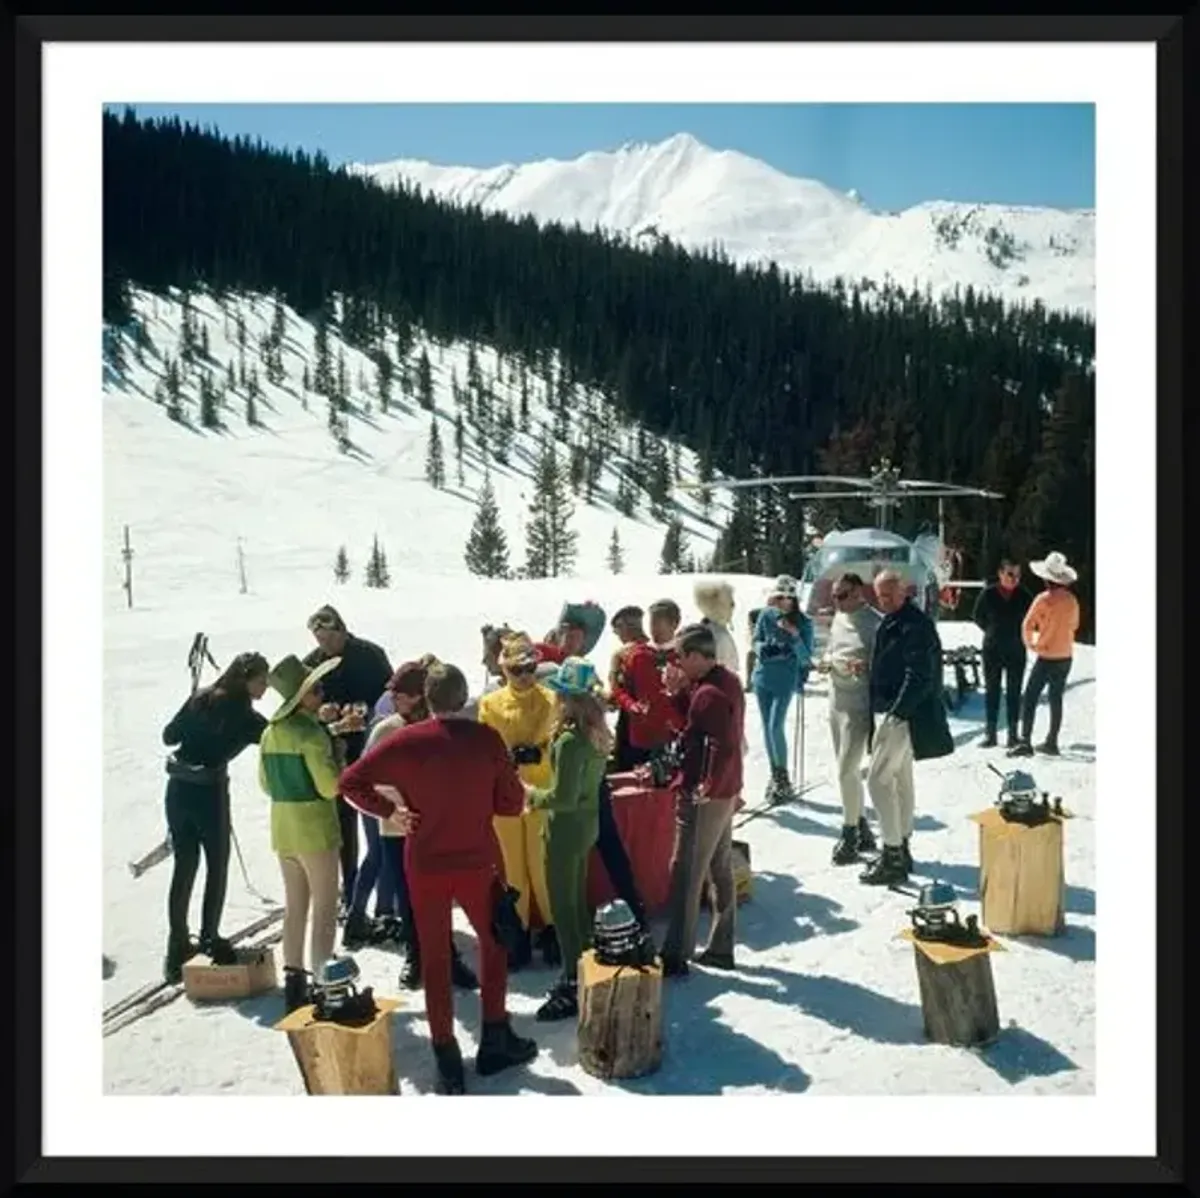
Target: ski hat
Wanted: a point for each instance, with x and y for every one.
(326, 617)
(1053, 568)
(784, 588)
(518, 650)
(576, 676)
(630, 612)
(293, 680)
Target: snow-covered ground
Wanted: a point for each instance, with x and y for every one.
(700, 197)
(825, 999)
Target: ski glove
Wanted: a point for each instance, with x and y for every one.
(526, 755)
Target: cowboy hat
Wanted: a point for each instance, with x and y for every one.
(576, 676)
(293, 681)
(1053, 568)
(517, 650)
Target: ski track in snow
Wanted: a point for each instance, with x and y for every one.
(825, 1000)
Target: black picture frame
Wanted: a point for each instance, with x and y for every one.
(1174, 36)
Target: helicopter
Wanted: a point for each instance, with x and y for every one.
(928, 565)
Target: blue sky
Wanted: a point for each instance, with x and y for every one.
(895, 155)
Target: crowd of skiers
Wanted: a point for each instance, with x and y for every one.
(461, 797)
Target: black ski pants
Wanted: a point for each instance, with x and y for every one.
(198, 821)
(1005, 666)
(1051, 676)
(612, 853)
(348, 854)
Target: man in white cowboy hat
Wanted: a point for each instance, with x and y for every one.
(298, 770)
(1049, 632)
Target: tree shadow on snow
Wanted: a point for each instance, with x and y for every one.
(783, 912)
(1078, 900)
(1017, 1054)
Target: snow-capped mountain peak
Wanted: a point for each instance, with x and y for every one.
(698, 196)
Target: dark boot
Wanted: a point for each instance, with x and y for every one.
(866, 838)
(461, 974)
(845, 852)
(218, 950)
(295, 989)
(989, 740)
(906, 853)
(1049, 748)
(410, 971)
(561, 1003)
(180, 949)
(522, 955)
(450, 1079)
(888, 870)
(501, 1048)
(781, 787)
(1012, 740)
(356, 932)
(549, 948)
(674, 967)
(1021, 749)
(723, 961)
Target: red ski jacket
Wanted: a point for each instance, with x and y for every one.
(639, 681)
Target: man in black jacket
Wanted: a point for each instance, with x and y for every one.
(999, 612)
(361, 678)
(908, 720)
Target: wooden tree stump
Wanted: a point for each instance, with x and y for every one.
(1022, 887)
(958, 997)
(620, 1018)
(343, 1060)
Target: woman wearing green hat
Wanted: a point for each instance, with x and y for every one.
(299, 771)
(579, 750)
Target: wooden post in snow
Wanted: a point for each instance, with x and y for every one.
(127, 558)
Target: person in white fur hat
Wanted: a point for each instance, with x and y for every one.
(1049, 632)
(715, 602)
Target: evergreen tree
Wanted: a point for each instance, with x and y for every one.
(241, 332)
(174, 391)
(383, 378)
(578, 467)
(524, 416)
(342, 384)
(658, 482)
(377, 575)
(551, 544)
(278, 323)
(305, 382)
(626, 495)
(341, 565)
(487, 547)
(616, 555)
(230, 378)
(460, 442)
(425, 382)
(506, 431)
(208, 402)
(205, 352)
(435, 464)
(116, 356)
(674, 550)
(252, 401)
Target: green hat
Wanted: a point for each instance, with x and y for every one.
(293, 681)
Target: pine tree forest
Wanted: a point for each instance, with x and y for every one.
(756, 370)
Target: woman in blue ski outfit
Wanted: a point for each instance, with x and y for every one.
(783, 649)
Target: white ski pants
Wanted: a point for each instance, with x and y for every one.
(850, 731)
(890, 780)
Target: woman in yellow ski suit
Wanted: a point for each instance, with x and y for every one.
(523, 712)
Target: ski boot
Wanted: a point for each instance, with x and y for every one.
(501, 1048)
(780, 790)
(410, 971)
(547, 943)
(449, 1060)
(180, 949)
(1021, 749)
(722, 961)
(462, 976)
(295, 989)
(845, 852)
(906, 853)
(1012, 740)
(561, 1003)
(887, 870)
(989, 740)
(866, 838)
(1049, 748)
(218, 950)
(357, 932)
(674, 967)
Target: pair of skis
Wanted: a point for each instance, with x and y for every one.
(155, 995)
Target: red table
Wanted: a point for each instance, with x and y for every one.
(645, 818)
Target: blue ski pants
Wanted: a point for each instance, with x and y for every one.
(773, 707)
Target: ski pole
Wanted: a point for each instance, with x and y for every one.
(258, 894)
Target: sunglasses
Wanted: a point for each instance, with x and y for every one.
(522, 671)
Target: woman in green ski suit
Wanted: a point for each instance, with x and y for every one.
(579, 752)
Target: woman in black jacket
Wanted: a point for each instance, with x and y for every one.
(999, 613)
(210, 730)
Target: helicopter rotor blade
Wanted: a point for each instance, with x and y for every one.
(786, 480)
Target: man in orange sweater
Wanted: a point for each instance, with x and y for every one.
(1049, 632)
